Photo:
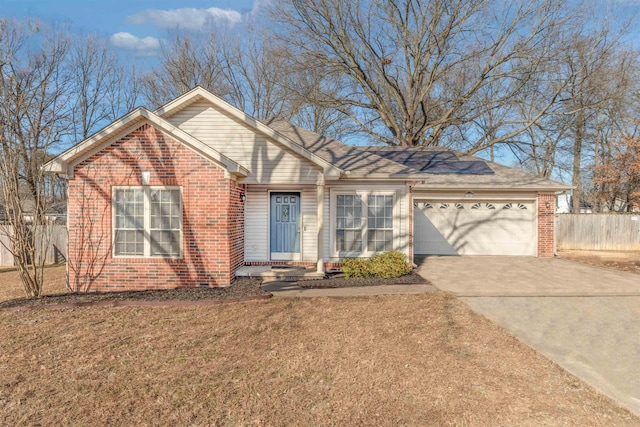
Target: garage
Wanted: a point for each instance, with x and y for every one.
(474, 227)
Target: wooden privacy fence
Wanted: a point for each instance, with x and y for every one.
(615, 232)
(56, 242)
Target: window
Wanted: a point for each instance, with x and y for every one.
(349, 223)
(147, 222)
(364, 223)
(379, 223)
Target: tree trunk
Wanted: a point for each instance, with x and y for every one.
(577, 157)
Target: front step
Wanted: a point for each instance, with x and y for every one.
(282, 273)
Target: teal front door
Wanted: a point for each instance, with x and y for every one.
(285, 226)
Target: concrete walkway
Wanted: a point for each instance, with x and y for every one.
(290, 289)
(585, 318)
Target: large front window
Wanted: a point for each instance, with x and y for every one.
(147, 222)
(364, 223)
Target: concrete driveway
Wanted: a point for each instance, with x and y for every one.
(585, 318)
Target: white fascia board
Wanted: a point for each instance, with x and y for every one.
(59, 163)
(64, 162)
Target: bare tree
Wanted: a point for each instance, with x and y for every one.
(256, 72)
(101, 88)
(34, 112)
(413, 72)
(125, 91)
(187, 61)
(310, 92)
(90, 63)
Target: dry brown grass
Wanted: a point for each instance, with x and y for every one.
(617, 260)
(11, 287)
(393, 360)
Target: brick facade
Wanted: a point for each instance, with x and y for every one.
(546, 224)
(213, 217)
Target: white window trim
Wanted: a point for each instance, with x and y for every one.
(147, 220)
(364, 194)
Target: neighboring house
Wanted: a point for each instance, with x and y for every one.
(563, 203)
(188, 194)
(56, 212)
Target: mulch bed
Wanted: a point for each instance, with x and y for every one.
(338, 280)
(241, 290)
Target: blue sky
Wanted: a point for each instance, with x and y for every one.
(139, 25)
(134, 25)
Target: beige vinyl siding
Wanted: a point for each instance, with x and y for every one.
(267, 161)
(400, 220)
(309, 212)
(256, 223)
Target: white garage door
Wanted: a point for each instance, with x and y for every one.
(474, 228)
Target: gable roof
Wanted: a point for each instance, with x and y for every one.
(430, 167)
(65, 161)
(453, 171)
(330, 169)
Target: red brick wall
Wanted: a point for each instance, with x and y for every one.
(546, 223)
(213, 217)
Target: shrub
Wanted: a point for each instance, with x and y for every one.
(356, 267)
(389, 264)
(385, 266)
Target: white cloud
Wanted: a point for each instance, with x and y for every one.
(187, 18)
(147, 46)
(259, 6)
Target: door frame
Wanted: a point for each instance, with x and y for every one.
(295, 256)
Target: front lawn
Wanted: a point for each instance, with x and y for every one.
(11, 287)
(616, 260)
(392, 360)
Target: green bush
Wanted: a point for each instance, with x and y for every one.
(356, 267)
(389, 264)
(385, 266)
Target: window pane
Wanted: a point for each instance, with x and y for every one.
(165, 243)
(129, 209)
(129, 242)
(348, 223)
(166, 223)
(348, 241)
(380, 223)
(380, 240)
(165, 210)
(353, 241)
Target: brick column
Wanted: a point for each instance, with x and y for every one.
(546, 224)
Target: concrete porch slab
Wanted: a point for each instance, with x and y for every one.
(281, 273)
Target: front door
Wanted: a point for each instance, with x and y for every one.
(285, 226)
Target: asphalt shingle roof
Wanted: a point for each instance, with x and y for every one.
(451, 170)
